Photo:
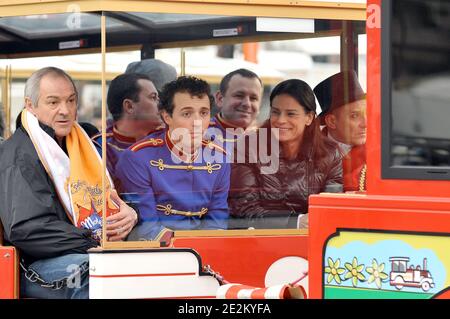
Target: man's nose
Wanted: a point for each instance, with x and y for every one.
(197, 123)
(363, 121)
(63, 108)
(246, 100)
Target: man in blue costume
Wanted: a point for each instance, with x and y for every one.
(182, 180)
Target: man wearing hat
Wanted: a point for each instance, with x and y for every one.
(133, 103)
(343, 104)
(158, 71)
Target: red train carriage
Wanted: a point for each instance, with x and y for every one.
(352, 237)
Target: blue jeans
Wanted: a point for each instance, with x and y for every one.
(53, 269)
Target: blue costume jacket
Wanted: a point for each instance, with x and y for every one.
(173, 193)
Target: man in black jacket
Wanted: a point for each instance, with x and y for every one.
(34, 215)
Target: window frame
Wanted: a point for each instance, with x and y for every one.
(388, 170)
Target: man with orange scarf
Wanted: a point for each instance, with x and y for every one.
(343, 104)
(51, 191)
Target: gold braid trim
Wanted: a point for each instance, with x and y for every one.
(222, 139)
(169, 211)
(362, 179)
(209, 167)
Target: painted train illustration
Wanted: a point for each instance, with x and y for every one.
(401, 275)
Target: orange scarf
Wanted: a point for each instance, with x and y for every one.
(77, 177)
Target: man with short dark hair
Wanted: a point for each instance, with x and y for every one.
(51, 198)
(181, 179)
(343, 104)
(238, 100)
(133, 103)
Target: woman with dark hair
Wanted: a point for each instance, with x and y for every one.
(309, 163)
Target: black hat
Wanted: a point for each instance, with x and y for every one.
(337, 90)
(158, 71)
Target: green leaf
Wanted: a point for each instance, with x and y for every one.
(330, 262)
(355, 282)
(329, 278)
(337, 263)
(378, 282)
(361, 277)
(374, 264)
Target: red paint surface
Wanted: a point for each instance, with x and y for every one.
(245, 260)
(8, 268)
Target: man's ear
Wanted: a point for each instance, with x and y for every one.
(166, 117)
(29, 105)
(219, 99)
(330, 121)
(128, 107)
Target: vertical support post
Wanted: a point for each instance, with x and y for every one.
(147, 52)
(103, 47)
(6, 96)
(182, 62)
(349, 47)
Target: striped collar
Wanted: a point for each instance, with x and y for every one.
(175, 150)
(222, 122)
(122, 138)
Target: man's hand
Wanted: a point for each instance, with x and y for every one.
(119, 225)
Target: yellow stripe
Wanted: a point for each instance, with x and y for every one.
(209, 167)
(211, 145)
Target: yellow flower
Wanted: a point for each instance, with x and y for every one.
(376, 273)
(354, 272)
(334, 271)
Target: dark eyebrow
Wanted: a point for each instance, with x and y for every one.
(187, 108)
(290, 110)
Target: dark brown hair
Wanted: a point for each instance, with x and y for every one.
(315, 144)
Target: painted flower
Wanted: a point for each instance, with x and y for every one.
(355, 272)
(333, 271)
(376, 273)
